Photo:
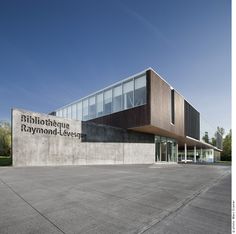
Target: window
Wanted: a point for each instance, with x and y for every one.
(59, 113)
(128, 94)
(140, 91)
(73, 111)
(107, 101)
(85, 110)
(69, 112)
(117, 98)
(123, 95)
(79, 111)
(64, 113)
(172, 106)
(92, 108)
(99, 104)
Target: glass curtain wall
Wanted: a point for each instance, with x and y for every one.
(117, 98)
(59, 113)
(73, 111)
(140, 91)
(69, 112)
(128, 93)
(85, 109)
(99, 104)
(166, 149)
(92, 108)
(79, 110)
(164, 156)
(107, 101)
(64, 113)
(124, 95)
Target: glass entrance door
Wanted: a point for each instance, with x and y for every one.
(165, 149)
(169, 150)
(158, 149)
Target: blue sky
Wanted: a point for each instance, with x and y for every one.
(53, 52)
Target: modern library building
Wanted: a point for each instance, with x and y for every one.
(140, 109)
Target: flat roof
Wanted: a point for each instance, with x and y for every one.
(204, 143)
(121, 81)
(103, 89)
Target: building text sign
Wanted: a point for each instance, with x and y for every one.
(40, 139)
(46, 140)
(37, 125)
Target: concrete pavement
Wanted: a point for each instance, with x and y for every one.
(116, 199)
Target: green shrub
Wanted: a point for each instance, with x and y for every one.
(5, 138)
(5, 161)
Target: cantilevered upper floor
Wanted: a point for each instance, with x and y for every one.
(123, 95)
(143, 102)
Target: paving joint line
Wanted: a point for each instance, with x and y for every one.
(46, 218)
(121, 198)
(183, 203)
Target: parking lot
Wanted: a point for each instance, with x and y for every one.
(116, 199)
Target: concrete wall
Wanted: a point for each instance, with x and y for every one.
(41, 149)
(104, 133)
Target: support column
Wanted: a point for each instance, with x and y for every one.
(177, 152)
(195, 154)
(201, 155)
(185, 153)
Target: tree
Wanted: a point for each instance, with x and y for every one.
(221, 131)
(206, 137)
(218, 139)
(213, 141)
(226, 154)
(5, 138)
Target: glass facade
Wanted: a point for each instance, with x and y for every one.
(92, 107)
(123, 95)
(128, 94)
(202, 155)
(139, 91)
(73, 111)
(79, 110)
(166, 149)
(107, 101)
(99, 104)
(85, 110)
(69, 112)
(117, 98)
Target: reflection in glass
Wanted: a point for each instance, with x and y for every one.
(69, 112)
(79, 111)
(64, 113)
(85, 109)
(99, 104)
(117, 98)
(92, 108)
(121, 96)
(73, 111)
(107, 101)
(166, 149)
(163, 150)
(157, 146)
(59, 113)
(140, 91)
(128, 89)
